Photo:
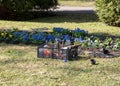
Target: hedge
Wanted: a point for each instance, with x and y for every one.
(109, 11)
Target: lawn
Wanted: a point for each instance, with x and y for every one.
(19, 65)
(81, 3)
(84, 21)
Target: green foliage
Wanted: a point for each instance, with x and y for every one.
(109, 11)
(45, 4)
(25, 5)
(16, 5)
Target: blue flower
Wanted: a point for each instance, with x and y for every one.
(24, 33)
(36, 37)
(76, 39)
(50, 37)
(17, 34)
(26, 38)
(82, 40)
(66, 37)
(58, 29)
(78, 30)
(59, 40)
(42, 33)
(41, 37)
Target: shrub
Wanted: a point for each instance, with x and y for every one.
(45, 4)
(23, 9)
(25, 5)
(16, 5)
(109, 11)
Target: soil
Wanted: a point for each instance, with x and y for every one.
(93, 52)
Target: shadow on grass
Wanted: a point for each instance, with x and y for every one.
(61, 17)
(81, 58)
(13, 61)
(15, 56)
(76, 70)
(54, 17)
(103, 35)
(11, 54)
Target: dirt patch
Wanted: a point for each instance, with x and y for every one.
(93, 52)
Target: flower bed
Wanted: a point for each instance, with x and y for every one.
(35, 37)
(76, 36)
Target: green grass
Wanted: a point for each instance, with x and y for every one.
(76, 3)
(19, 66)
(87, 22)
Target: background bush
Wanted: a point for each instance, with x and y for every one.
(25, 5)
(109, 11)
(23, 9)
(16, 5)
(45, 4)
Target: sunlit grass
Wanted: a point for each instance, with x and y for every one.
(19, 65)
(76, 3)
(87, 22)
